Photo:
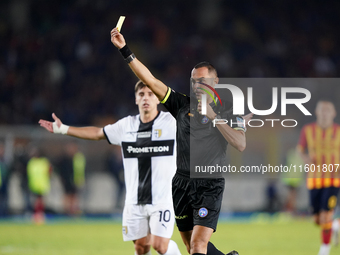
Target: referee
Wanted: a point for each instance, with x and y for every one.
(197, 202)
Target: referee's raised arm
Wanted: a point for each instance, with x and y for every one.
(140, 70)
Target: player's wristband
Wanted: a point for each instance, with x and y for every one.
(60, 130)
(125, 51)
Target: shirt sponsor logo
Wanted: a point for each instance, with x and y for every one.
(144, 134)
(181, 217)
(148, 149)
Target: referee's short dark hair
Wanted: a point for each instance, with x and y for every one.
(206, 64)
(139, 85)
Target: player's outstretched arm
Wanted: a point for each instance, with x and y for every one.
(57, 127)
(140, 70)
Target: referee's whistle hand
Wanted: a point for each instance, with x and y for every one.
(117, 38)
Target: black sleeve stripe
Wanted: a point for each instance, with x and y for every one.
(107, 138)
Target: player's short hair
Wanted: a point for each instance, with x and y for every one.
(139, 85)
(206, 64)
(325, 100)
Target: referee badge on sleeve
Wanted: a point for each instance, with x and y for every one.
(241, 123)
(203, 212)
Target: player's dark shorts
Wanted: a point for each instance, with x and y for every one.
(324, 199)
(196, 201)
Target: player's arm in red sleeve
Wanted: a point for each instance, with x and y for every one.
(89, 133)
(302, 147)
(140, 70)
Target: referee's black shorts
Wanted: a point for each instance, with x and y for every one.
(196, 201)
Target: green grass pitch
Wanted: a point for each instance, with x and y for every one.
(80, 237)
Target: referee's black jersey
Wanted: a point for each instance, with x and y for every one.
(198, 142)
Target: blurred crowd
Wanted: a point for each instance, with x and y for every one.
(56, 56)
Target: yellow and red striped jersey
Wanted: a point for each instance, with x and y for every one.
(323, 146)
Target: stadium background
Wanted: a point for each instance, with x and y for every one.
(56, 56)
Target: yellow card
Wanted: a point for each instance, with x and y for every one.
(120, 23)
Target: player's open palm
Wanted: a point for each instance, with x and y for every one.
(117, 38)
(48, 125)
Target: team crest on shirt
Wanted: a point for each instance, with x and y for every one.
(125, 230)
(205, 120)
(158, 133)
(203, 212)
